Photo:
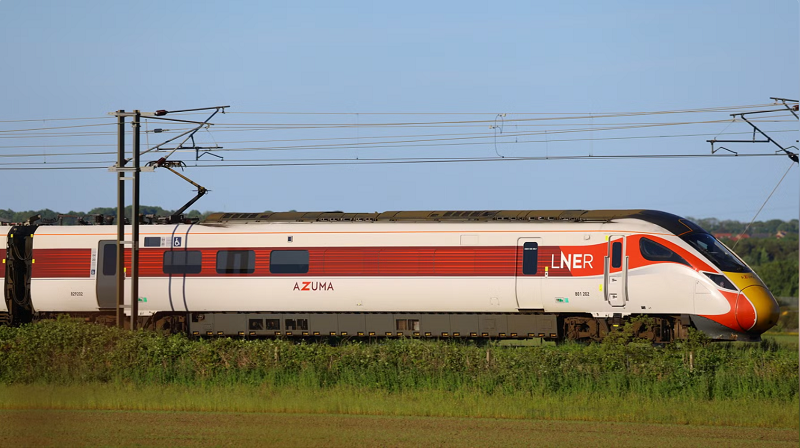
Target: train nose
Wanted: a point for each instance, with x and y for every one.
(756, 310)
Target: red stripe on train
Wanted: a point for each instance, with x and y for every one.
(59, 263)
(556, 261)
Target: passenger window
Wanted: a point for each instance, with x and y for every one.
(110, 259)
(288, 262)
(656, 252)
(616, 254)
(530, 258)
(236, 262)
(183, 262)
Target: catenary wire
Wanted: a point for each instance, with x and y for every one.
(366, 146)
(705, 109)
(393, 124)
(108, 117)
(738, 238)
(438, 161)
(608, 127)
(374, 137)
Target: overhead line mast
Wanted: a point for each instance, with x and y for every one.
(120, 168)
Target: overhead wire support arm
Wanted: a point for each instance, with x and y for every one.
(792, 108)
(189, 134)
(157, 147)
(163, 162)
(179, 121)
(791, 155)
(214, 108)
(159, 115)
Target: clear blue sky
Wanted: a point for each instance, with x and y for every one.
(84, 59)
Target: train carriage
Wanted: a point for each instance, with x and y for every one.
(499, 274)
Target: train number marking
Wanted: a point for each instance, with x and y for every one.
(76, 293)
(581, 293)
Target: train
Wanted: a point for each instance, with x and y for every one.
(497, 274)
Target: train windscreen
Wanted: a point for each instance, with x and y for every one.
(716, 252)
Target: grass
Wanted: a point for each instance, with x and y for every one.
(428, 403)
(179, 429)
(787, 340)
(65, 382)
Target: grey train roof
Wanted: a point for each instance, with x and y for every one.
(671, 222)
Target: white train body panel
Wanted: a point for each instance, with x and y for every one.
(414, 267)
(371, 294)
(58, 295)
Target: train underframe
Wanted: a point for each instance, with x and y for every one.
(578, 327)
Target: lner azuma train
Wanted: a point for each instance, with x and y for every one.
(459, 274)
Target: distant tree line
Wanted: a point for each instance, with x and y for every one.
(771, 227)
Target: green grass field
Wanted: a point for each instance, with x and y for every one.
(68, 383)
(631, 408)
(190, 429)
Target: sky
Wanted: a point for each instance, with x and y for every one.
(354, 82)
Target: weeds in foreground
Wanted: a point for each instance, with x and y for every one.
(69, 352)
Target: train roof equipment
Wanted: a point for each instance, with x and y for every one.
(668, 221)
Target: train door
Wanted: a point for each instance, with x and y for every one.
(106, 274)
(528, 281)
(179, 261)
(616, 271)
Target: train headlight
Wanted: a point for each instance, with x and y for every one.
(721, 281)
